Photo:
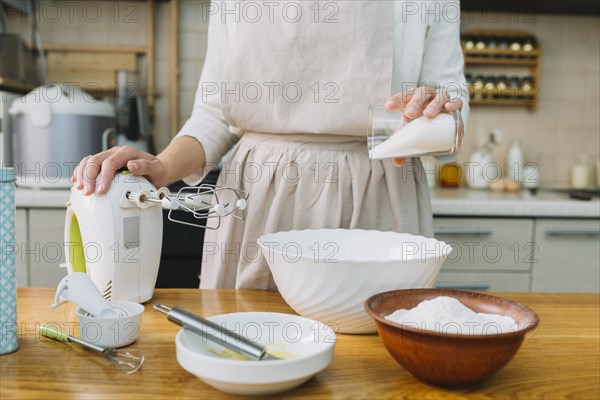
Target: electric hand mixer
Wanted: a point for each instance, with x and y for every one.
(116, 238)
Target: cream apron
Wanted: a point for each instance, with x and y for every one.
(303, 153)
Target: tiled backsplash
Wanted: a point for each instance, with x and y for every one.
(565, 124)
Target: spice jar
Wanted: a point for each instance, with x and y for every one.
(503, 43)
(480, 43)
(502, 86)
(469, 42)
(515, 44)
(489, 88)
(526, 87)
(528, 43)
(514, 84)
(478, 87)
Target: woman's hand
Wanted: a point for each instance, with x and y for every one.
(422, 101)
(108, 162)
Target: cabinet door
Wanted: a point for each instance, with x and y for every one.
(486, 244)
(568, 259)
(45, 249)
(21, 239)
(484, 281)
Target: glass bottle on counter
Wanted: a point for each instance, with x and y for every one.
(450, 175)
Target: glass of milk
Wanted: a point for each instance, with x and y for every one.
(393, 135)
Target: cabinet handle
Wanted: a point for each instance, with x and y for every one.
(466, 285)
(572, 232)
(463, 231)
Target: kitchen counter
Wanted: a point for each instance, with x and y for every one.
(450, 202)
(484, 203)
(41, 198)
(557, 360)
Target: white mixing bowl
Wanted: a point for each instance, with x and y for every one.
(308, 344)
(327, 274)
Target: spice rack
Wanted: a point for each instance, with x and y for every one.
(502, 51)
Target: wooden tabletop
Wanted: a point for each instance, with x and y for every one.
(560, 359)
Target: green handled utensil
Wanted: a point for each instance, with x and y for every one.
(128, 361)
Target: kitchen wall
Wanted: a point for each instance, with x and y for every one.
(565, 124)
(124, 23)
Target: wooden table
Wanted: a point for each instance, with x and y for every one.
(560, 359)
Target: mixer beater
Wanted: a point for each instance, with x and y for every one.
(203, 202)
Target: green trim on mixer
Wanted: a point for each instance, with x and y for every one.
(78, 259)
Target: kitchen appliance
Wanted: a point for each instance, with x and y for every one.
(116, 238)
(133, 123)
(128, 361)
(6, 156)
(53, 128)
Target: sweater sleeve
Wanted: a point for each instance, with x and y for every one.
(206, 123)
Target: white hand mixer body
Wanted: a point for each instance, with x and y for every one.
(116, 238)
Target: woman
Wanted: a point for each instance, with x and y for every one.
(293, 90)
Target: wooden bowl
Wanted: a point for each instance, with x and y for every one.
(453, 360)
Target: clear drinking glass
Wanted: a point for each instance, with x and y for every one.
(385, 123)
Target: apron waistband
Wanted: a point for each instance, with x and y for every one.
(306, 140)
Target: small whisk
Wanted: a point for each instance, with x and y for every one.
(202, 202)
(128, 361)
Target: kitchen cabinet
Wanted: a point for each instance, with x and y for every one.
(520, 254)
(44, 251)
(568, 259)
(497, 244)
(488, 253)
(485, 281)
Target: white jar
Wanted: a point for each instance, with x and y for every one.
(580, 174)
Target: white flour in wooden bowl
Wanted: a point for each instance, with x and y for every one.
(448, 315)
